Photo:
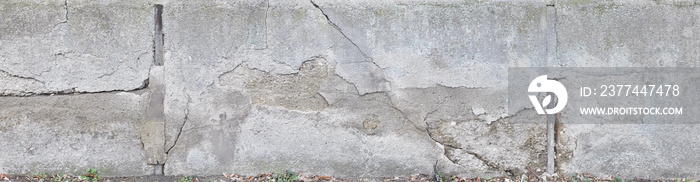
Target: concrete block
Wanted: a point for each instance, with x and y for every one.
(74, 46)
(652, 151)
(454, 44)
(335, 87)
(627, 34)
(70, 133)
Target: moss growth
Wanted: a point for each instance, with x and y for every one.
(299, 15)
(532, 18)
(602, 8)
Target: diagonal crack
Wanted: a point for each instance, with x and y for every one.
(393, 106)
(366, 57)
(477, 156)
(489, 163)
(339, 30)
(187, 113)
(3, 72)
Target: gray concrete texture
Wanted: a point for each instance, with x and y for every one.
(353, 89)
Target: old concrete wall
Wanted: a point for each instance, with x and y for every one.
(354, 89)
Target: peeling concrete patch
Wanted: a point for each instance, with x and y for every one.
(13, 85)
(370, 123)
(418, 103)
(477, 137)
(502, 146)
(296, 91)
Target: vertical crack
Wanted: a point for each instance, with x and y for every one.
(65, 5)
(436, 172)
(556, 34)
(65, 18)
(267, 9)
(158, 37)
(551, 49)
(153, 132)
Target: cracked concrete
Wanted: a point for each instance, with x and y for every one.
(340, 31)
(354, 89)
(179, 132)
(13, 85)
(99, 51)
(280, 82)
(371, 82)
(153, 132)
(475, 138)
(296, 91)
(65, 5)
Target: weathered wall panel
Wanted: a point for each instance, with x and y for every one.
(354, 89)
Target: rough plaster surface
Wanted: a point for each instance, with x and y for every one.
(627, 34)
(455, 45)
(654, 151)
(69, 133)
(354, 89)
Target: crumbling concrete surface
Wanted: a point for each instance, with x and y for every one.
(336, 88)
(354, 89)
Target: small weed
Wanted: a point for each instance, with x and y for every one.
(574, 178)
(286, 176)
(443, 178)
(581, 178)
(60, 178)
(186, 179)
(90, 176)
